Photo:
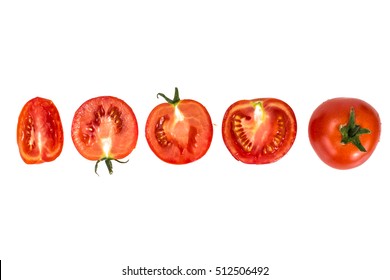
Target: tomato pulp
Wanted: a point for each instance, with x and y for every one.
(179, 131)
(259, 131)
(103, 129)
(344, 132)
(40, 136)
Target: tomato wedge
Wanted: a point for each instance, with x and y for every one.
(104, 129)
(40, 136)
(179, 131)
(259, 131)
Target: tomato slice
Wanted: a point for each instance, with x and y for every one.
(40, 136)
(259, 131)
(179, 131)
(104, 128)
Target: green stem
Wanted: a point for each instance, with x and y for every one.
(173, 101)
(108, 164)
(351, 132)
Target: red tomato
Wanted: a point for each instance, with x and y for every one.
(104, 128)
(259, 131)
(40, 136)
(344, 132)
(179, 131)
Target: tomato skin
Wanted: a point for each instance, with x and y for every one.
(40, 135)
(104, 127)
(259, 131)
(325, 136)
(179, 133)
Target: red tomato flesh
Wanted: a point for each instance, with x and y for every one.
(40, 136)
(104, 127)
(179, 131)
(259, 131)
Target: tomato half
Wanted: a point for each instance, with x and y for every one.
(40, 136)
(259, 131)
(104, 129)
(179, 131)
(344, 132)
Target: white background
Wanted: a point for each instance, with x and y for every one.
(297, 216)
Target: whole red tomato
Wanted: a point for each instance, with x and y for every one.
(344, 132)
(259, 131)
(104, 129)
(40, 136)
(179, 131)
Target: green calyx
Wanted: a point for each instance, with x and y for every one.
(351, 132)
(173, 101)
(108, 162)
